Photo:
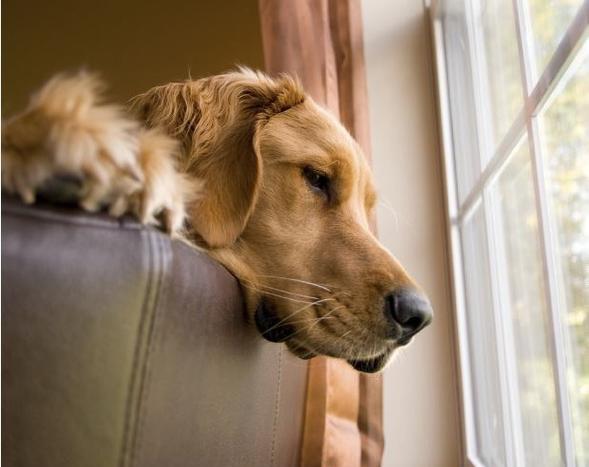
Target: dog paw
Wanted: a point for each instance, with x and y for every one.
(159, 198)
(66, 131)
(69, 145)
(165, 192)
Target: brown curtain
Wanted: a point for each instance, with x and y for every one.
(320, 41)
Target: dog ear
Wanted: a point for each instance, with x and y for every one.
(217, 120)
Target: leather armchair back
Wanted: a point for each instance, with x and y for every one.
(121, 347)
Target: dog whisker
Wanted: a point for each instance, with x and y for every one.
(287, 292)
(340, 338)
(314, 322)
(326, 315)
(275, 294)
(385, 204)
(307, 321)
(309, 305)
(296, 280)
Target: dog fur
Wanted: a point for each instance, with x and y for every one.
(236, 164)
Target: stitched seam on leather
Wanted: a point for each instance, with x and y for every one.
(162, 247)
(130, 413)
(276, 408)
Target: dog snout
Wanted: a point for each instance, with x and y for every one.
(408, 309)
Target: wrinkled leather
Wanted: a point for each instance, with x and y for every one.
(121, 347)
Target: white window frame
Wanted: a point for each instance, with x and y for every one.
(536, 95)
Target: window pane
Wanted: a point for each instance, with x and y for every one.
(488, 409)
(502, 82)
(524, 307)
(461, 101)
(550, 19)
(565, 135)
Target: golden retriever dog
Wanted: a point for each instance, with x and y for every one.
(250, 169)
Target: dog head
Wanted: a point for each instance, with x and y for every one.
(286, 206)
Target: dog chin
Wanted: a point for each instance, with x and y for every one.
(274, 330)
(372, 365)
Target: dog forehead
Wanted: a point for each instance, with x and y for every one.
(307, 133)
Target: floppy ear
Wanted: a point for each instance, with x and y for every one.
(217, 119)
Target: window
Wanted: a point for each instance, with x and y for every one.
(513, 81)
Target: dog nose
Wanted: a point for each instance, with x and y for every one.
(409, 309)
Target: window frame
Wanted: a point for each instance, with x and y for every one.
(537, 94)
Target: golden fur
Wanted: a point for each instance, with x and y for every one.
(223, 161)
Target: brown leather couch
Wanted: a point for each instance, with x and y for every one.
(121, 347)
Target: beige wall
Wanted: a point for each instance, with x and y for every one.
(135, 44)
(421, 399)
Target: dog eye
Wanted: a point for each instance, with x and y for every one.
(318, 181)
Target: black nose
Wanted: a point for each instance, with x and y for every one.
(409, 309)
